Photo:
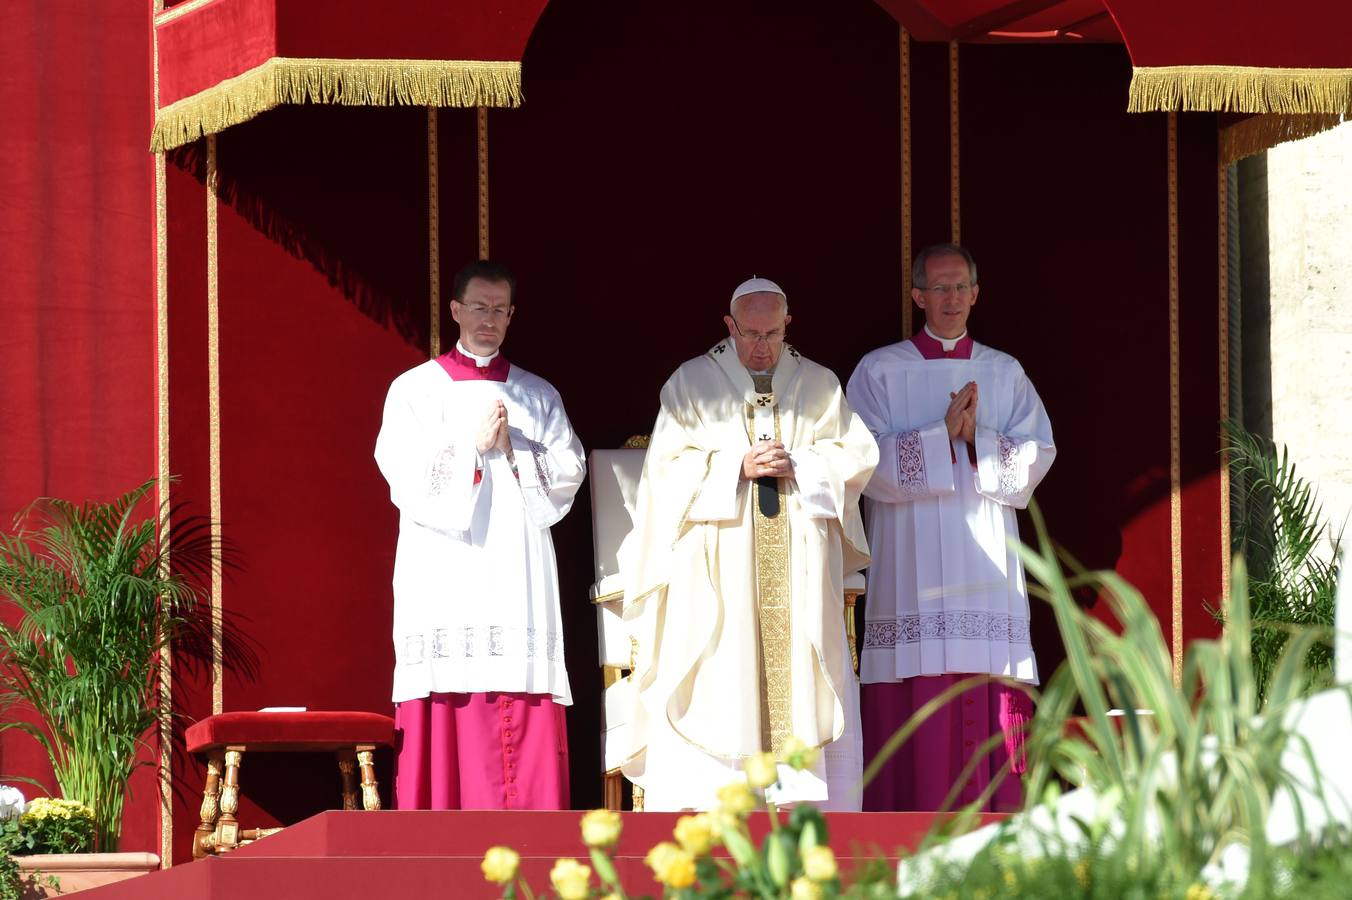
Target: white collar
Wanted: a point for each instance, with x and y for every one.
(478, 360)
(948, 343)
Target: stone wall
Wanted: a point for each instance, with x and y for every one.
(1309, 189)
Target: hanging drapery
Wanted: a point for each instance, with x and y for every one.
(1250, 56)
(1246, 56)
(223, 62)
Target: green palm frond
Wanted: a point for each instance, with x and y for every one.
(1291, 553)
(93, 602)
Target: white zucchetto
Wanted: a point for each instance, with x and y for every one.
(758, 285)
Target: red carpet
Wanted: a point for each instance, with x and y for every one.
(426, 854)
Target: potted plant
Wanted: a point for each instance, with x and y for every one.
(88, 603)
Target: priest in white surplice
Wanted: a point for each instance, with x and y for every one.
(963, 440)
(746, 522)
(481, 461)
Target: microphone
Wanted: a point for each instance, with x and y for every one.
(767, 493)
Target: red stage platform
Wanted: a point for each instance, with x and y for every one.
(425, 854)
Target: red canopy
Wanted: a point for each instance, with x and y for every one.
(222, 62)
(1251, 56)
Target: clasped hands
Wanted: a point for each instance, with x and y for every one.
(493, 431)
(766, 459)
(961, 415)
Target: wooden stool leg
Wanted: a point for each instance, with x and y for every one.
(211, 806)
(227, 827)
(370, 793)
(347, 767)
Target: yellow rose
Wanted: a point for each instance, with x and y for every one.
(804, 888)
(796, 754)
(736, 798)
(761, 771)
(500, 864)
(695, 834)
(656, 858)
(601, 828)
(571, 879)
(676, 868)
(819, 863)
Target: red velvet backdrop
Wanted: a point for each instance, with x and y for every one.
(77, 315)
(662, 156)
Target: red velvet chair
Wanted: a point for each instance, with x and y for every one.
(225, 738)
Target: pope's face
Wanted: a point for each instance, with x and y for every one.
(949, 297)
(758, 329)
(483, 315)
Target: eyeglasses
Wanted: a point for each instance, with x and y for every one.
(497, 312)
(943, 290)
(773, 337)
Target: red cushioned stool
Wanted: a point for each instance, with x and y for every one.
(225, 738)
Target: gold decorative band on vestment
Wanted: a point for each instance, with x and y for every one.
(346, 82)
(1259, 133)
(774, 616)
(1240, 89)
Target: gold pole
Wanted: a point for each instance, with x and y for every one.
(954, 183)
(1223, 338)
(907, 305)
(433, 232)
(166, 671)
(1175, 418)
(483, 182)
(214, 407)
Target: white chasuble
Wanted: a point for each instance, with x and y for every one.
(476, 595)
(946, 591)
(737, 609)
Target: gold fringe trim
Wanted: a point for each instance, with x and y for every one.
(1240, 89)
(347, 82)
(1265, 132)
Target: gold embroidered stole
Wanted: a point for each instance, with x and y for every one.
(770, 538)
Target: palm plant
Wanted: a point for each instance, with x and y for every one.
(1281, 533)
(92, 604)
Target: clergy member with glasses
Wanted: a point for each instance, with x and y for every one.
(481, 461)
(746, 524)
(963, 440)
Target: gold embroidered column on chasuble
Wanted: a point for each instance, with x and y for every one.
(770, 536)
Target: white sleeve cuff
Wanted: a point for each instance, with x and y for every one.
(720, 494)
(815, 491)
(938, 450)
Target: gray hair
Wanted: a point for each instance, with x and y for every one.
(732, 307)
(920, 278)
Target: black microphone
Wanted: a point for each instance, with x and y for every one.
(767, 494)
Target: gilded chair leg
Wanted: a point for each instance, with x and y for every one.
(202, 844)
(851, 598)
(347, 767)
(226, 836)
(370, 791)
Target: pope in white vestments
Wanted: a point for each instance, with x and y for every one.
(481, 460)
(963, 439)
(746, 523)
